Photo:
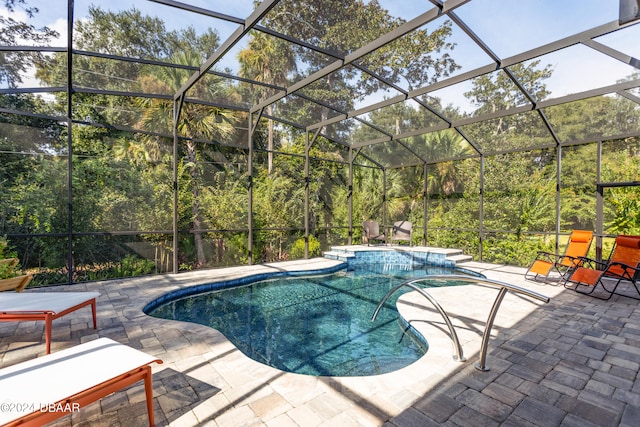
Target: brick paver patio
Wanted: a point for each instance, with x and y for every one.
(571, 362)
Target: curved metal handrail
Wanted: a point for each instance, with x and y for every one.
(456, 343)
(503, 288)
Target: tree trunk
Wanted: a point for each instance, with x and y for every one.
(195, 209)
(270, 142)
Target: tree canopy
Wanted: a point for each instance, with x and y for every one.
(104, 163)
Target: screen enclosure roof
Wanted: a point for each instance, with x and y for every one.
(402, 82)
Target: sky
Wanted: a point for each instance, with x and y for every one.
(507, 26)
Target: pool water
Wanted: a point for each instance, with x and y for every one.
(315, 325)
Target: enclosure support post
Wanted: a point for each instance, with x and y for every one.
(424, 205)
(599, 205)
(70, 143)
(558, 186)
(177, 109)
(307, 190)
(250, 191)
(384, 201)
(252, 129)
(350, 198)
(481, 210)
(307, 146)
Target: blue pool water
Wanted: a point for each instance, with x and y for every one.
(315, 325)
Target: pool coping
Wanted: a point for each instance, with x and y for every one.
(220, 284)
(251, 278)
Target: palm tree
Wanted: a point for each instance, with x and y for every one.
(445, 145)
(197, 121)
(266, 60)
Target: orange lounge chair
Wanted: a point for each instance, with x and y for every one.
(47, 306)
(547, 262)
(623, 264)
(38, 391)
(372, 232)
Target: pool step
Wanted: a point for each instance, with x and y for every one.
(339, 255)
(460, 258)
(449, 256)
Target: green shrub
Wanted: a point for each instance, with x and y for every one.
(7, 269)
(297, 249)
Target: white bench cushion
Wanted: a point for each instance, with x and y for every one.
(42, 302)
(57, 376)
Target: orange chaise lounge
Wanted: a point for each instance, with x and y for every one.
(623, 266)
(41, 390)
(547, 263)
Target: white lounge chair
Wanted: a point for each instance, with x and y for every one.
(47, 306)
(371, 232)
(402, 230)
(40, 390)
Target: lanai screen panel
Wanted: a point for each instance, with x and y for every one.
(441, 145)
(35, 186)
(123, 112)
(364, 131)
(577, 69)
(328, 25)
(129, 192)
(514, 132)
(433, 53)
(608, 115)
(33, 154)
(276, 61)
(368, 195)
(278, 200)
(222, 204)
(623, 40)
(162, 29)
(487, 93)
(327, 149)
(621, 164)
(509, 31)
(94, 73)
(453, 197)
(392, 154)
(577, 189)
(519, 198)
(621, 161)
(348, 88)
(18, 70)
(301, 111)
(329, 194)
(222, 91)
(405, 116)
(351, 132)
(48, 21)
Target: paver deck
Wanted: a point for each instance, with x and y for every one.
(572, 362)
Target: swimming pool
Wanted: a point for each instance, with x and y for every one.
(315, 325)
